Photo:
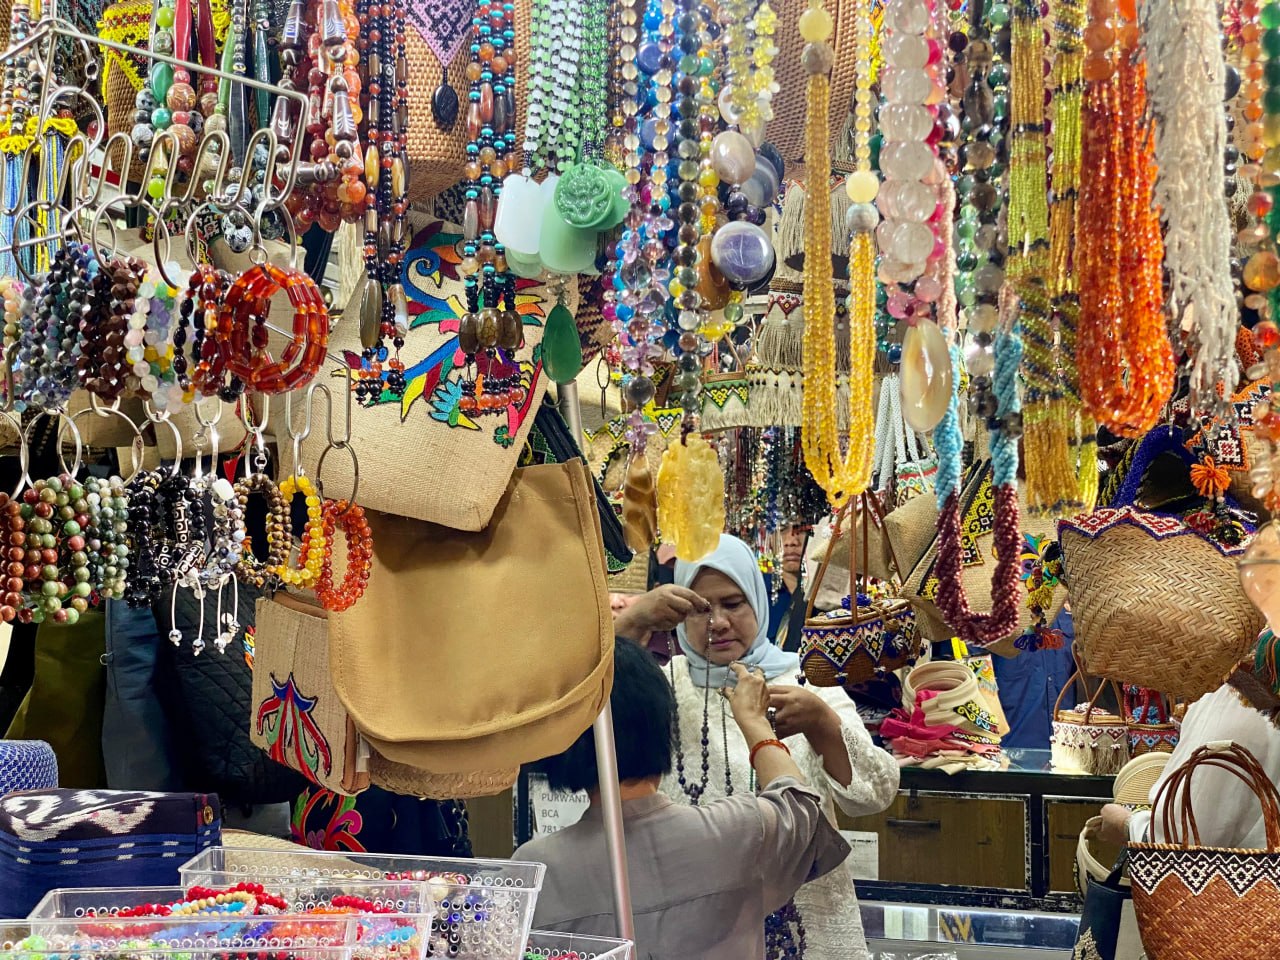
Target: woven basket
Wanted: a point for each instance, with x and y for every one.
(1205, 903)
(436, 156)
(848, 646)
(1154, 602)
(1150, 728)
(786, 130)
(1089, 740)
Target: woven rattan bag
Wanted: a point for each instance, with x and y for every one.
(436, 153)
(1208, 903)
(481, 651)
(1156, 602)
(858, 642)
(1088, 739)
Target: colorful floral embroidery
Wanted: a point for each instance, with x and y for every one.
(339, 833)
(250, 644)
(293, 736)
(434, 289)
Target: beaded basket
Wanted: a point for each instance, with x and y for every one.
(867, 637)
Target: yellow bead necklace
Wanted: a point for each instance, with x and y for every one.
(841, 473)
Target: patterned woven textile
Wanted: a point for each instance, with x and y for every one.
(27, 765)
(98, 838)
(443, 25)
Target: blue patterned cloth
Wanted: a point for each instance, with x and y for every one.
(27, 765)
(98, 838)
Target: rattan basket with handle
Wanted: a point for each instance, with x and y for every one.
(1088, 739)
(863, 641)
(1196, 902)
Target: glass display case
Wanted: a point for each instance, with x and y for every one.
(1003, 839)
(902, 932)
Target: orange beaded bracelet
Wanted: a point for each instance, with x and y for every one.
(242, 329)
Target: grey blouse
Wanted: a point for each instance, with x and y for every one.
(703, 879)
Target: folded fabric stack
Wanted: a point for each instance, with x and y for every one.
(98, 838)
(945, 722)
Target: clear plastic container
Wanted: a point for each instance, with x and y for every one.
(90, 921)
(545, 945)
(484, 907)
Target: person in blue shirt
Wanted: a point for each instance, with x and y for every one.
(786, 611)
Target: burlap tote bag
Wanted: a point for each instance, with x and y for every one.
(480, 651)
(296, 716)
(422, 455)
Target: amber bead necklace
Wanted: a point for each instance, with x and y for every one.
(1126, 361)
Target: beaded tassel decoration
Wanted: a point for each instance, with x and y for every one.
(983, 629)
(1050, 477)
(1185, 94)
(1125, 358)
(1081, 455)
(841, 473)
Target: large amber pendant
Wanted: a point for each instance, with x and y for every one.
(691, 498)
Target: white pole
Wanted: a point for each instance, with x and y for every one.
(606, 755)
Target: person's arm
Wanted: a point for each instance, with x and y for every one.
(662, 608)
(863, 778)
(797, 842)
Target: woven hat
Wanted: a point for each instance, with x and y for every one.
(1137, 777)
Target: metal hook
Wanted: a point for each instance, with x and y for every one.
(355, 478)
(135, 445)
(208, 433)
(164, 417)
(26, 441)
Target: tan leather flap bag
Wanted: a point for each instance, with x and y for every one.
(482, 650)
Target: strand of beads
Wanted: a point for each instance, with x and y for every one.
(359, 539)
(47, 349)
(491, 330)
(105, 535)
(151, 355)
(1185, 95)
(1126, 360)
(1068, 100)
(314, 545)
(842, 473)
(983, 629)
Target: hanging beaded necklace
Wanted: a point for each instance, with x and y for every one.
(491, 330)
(841, 473)
(696, 791)
(1126, 360)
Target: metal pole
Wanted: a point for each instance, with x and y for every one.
(606, 755)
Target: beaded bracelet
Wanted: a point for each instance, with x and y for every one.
(57, 572)
(149, 343)
(143, 537)
(46, 353)
(359, 556)
(105, 535)
(248, 569)
(103, 362)
(314, 547)
(242, 329)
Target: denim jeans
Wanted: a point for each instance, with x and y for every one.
(136, 741)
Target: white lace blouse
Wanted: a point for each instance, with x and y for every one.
(828, 906)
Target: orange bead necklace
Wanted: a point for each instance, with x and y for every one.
(1125, 359)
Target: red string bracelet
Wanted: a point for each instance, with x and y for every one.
(766, 743)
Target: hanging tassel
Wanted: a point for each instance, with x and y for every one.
(840, 204)
(789, 239)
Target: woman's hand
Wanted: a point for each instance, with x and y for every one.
(1115, 824)
(749, 701)
(801, 711)
(662, 608)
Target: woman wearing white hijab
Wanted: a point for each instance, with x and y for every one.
(820, 726)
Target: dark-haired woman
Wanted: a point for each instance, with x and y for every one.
(703, 879)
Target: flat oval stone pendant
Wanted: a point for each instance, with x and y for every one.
(444, 103)
(926, 376)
